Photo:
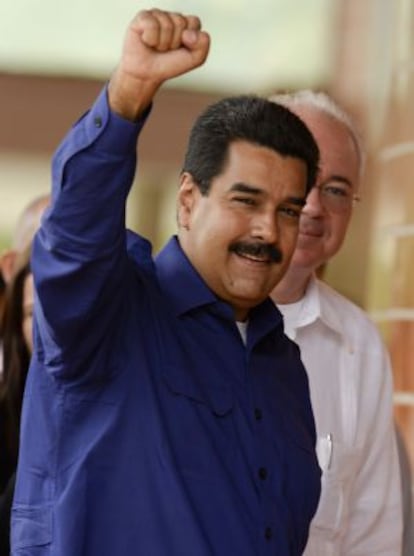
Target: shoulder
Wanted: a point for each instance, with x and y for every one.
(139, 251)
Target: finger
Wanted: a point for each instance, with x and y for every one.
(170, 28)
(156, 29)
(165, 30)
(148, 27)
(180, 23)
(193, 23)
(198, 44)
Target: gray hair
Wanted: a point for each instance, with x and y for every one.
(324, 103)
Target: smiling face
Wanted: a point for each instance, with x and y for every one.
(241, 235)
(322, 230)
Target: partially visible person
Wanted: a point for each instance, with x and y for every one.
(165, 412)
(24, 230)
(16, 327)
(359, 513)
(14, 359)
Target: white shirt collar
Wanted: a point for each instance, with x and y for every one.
(316, 306)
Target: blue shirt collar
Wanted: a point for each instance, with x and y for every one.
(180, 281)
(186, 291)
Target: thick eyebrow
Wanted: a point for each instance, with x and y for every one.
(244, 188)
(241, 187)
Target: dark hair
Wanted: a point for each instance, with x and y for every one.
(16, 358)
(2, 293)
(248, 118)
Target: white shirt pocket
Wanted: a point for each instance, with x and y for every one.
(338, 463)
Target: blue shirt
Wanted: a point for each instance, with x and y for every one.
(148, 427)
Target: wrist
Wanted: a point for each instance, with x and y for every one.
(129, 97)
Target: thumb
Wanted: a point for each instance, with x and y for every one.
(197, 42)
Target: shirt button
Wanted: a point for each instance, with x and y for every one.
(97, 121)
(263, 473)
(268, 533)
(258, 414)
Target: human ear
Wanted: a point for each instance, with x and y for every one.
(187, 195)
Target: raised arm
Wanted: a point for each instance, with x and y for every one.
(158, 46)
(79, 255)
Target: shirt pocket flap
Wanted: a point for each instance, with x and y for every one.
(218, 397)
(31, 526)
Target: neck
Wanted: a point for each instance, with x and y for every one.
(292, 287)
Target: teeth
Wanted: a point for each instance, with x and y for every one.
(252, 258)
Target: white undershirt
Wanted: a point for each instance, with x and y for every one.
(242, 326)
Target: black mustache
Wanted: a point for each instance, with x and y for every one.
(261, 250)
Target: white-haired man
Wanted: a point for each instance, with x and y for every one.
(359, 512)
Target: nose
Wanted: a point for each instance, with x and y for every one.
(313, 206)
(265, 227)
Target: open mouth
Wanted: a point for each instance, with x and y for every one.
(254, 258)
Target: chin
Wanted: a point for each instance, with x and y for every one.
(305, 259)
(248, 300)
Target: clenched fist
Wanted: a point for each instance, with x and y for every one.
(158, 46)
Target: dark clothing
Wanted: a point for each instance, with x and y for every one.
(6, 499)
(7, 463)
(148, 427)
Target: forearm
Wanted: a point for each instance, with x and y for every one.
(79, 252)
(92, 173)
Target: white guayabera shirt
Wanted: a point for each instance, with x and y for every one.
(350, 379)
